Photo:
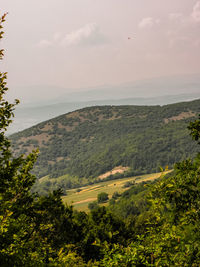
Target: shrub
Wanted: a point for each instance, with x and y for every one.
(102, 197)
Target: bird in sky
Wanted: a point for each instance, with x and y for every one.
(130, 38)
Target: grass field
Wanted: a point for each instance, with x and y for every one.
(80, 200)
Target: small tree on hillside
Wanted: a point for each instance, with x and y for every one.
(102, 197)
(93, 205)
(194, 128)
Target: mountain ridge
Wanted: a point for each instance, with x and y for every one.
(91, 141)
(27, 116)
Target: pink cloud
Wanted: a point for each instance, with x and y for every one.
(89, 34)
(175, 16)
(44, 44)
(196, 12)
(148, 22)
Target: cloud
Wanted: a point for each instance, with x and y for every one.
(44, 43)
(148, 22)
(183, 29)
(175, 16)
(196, 12)
(57, 37)
(87, 35)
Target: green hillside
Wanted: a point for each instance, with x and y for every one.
(92, 141)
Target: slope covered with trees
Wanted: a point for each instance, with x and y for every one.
(91, 141)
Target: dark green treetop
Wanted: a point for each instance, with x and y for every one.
(194, 128)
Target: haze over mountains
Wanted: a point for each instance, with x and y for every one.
(157, 91)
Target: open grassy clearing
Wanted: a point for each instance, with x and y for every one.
(80, 200)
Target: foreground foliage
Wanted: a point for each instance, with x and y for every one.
(171, 236)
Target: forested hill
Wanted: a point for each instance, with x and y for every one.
(91, 141)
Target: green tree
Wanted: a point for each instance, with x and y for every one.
(93, 205)
(116, 195)
(194, 128)
(102, 197)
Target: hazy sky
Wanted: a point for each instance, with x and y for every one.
(85, 43)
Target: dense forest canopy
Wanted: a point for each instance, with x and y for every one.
(89, 142)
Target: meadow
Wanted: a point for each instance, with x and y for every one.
(88, 194)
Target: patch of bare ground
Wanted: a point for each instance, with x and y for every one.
(118, 169)
(89, 188)
(67, 127)
(86, 200)
(87, 139)
(83, 116)
(102, 117)
(142, 116)
(79, 115)
(51, 162)
(114, 117)
(28, 149)
(59, 159)
(181, 116)
(40, 138)
(47, 127)
(73, 115)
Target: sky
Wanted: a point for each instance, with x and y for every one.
(71, 45)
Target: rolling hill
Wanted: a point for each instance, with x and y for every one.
(27, 116)
(90, 142)
(54, 101)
